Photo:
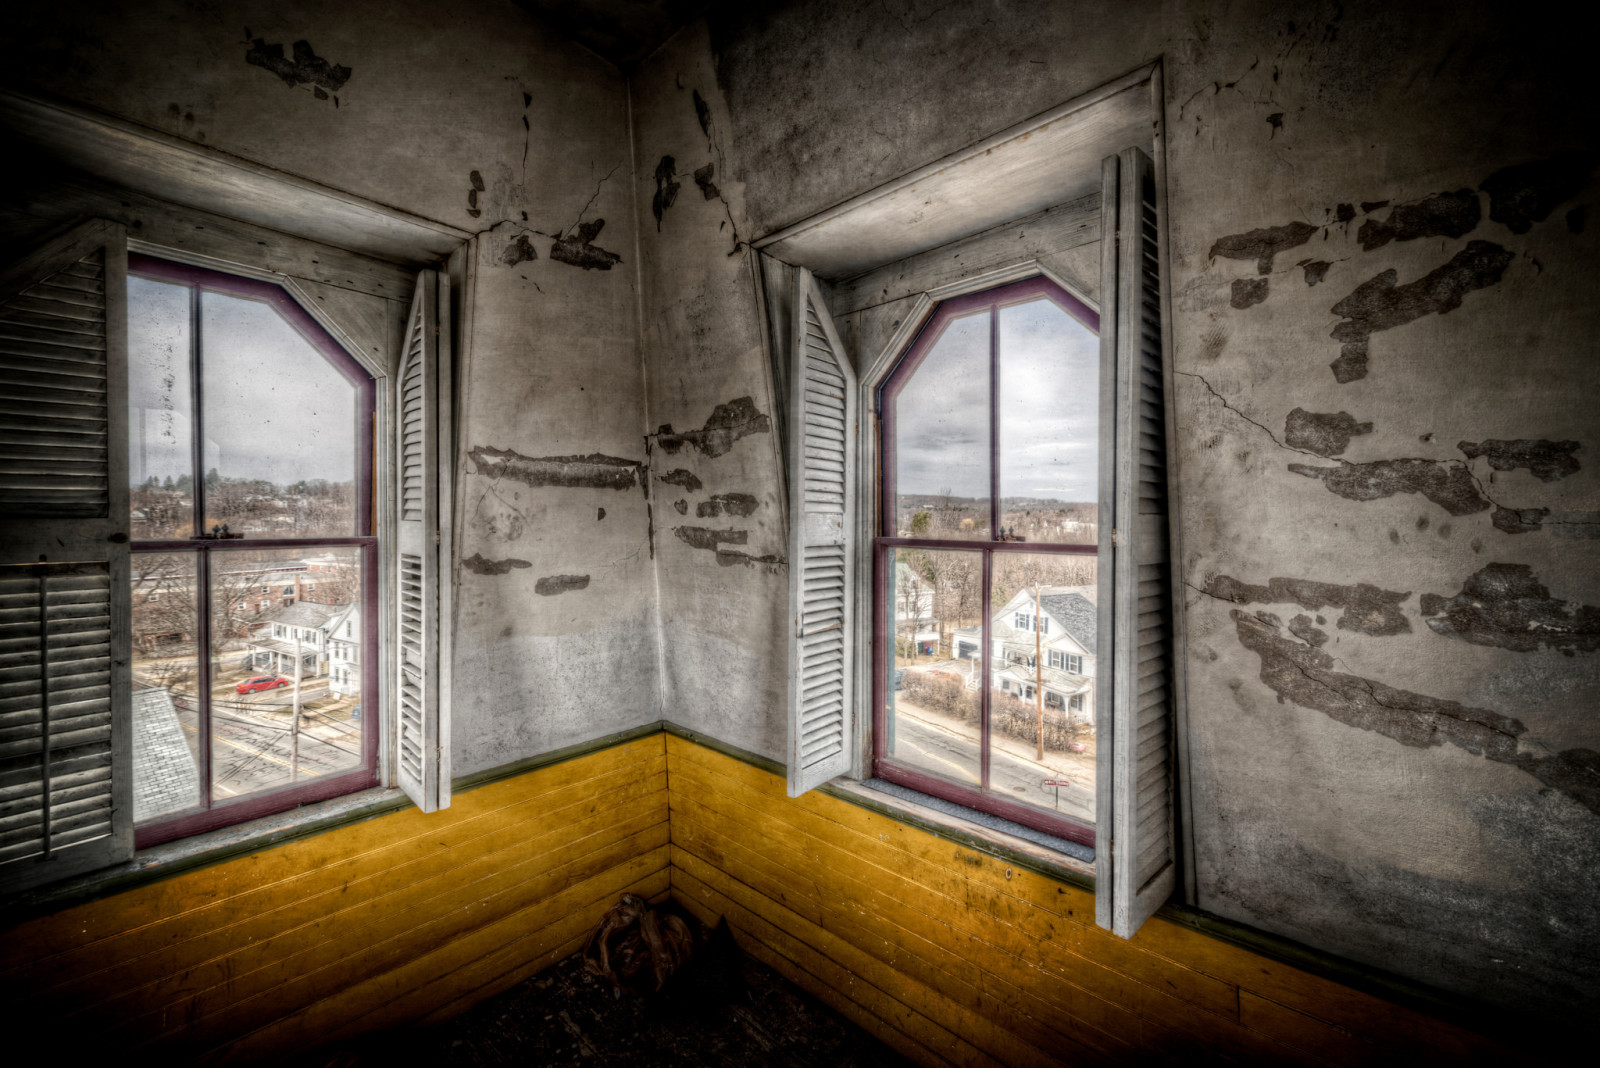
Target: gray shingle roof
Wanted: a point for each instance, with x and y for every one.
(165, 776)
(1076, 615)
(303, 614)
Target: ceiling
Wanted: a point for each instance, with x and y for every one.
(622, 31)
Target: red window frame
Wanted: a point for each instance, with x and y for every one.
(884, 546)
(210, 813)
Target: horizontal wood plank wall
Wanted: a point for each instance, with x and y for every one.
(955, 957)
(404, 917)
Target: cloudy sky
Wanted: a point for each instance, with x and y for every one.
(275, 408)
(1049, 404)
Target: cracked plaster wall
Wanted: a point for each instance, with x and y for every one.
(481, 117)
(1348, 818)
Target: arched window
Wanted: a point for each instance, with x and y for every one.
(250, 451)
(987, 555)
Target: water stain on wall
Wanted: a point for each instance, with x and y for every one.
(1263, 244)
(1324, 433)
(1506, 606)
(1303, 675)
(1526, 193)
(727, 424)
(1380, 304)
(1440, 215)
(739, 504)
(578, 249)
(478, 565)
(596, 470)
(1366, 609)
(551, 585)
(1449, 484)
(1547, 461)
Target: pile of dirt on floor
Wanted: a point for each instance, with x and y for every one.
(718, 1008)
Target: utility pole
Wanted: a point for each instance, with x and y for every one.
(294, 721)
(1038, 661)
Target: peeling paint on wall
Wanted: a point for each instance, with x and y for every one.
(551, 585)
(1264, 244)
(578, 249)
(1302, 674)
(1446, 483)
(666, 188)
(1366, 609)
(702, 178)
(1324, 433)
(306, 68)
(1440, 215)
(1506, 606)
(596, 470)
(681, 505)
(1548, 461)
(1379, 304)
(679, 477)
(518, 250)
(1248, 292)
(727, 424)
(1518, 520)
(739, 504)
(1315, 270)
(706, 538)
(478, 565)
(1526, 193)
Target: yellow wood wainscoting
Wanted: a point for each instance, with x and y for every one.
(947, 954)
(404, 917)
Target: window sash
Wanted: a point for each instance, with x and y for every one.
(210, 814)
(883, 547)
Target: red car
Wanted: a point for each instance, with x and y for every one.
(260, 682)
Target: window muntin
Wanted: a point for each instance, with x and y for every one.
(1000, 543)
(285, 440)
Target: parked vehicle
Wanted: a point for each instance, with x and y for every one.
(261, 682)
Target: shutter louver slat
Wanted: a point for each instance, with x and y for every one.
(821, 567)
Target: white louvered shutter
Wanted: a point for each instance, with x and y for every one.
(822, 434)
(1136, 854)
(66, 789)
(420, 768)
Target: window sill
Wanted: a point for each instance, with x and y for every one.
(1024, 847)
(202, 850)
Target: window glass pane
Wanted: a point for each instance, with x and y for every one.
(1041, 716)
(934, 707)
(1049, 424)
(941, 439)
(166, 696)
(160, 458)
(280, 426)
(258, 679)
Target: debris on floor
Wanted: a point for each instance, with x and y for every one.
(720, 1009)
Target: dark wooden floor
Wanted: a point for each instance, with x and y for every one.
(723, 1009)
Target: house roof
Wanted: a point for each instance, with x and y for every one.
(303, 614)
(1075, 613)
(167, 778)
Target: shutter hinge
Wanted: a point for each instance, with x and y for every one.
(436, 539)
(1116, 538)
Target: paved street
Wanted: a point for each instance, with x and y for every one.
(948, 748)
